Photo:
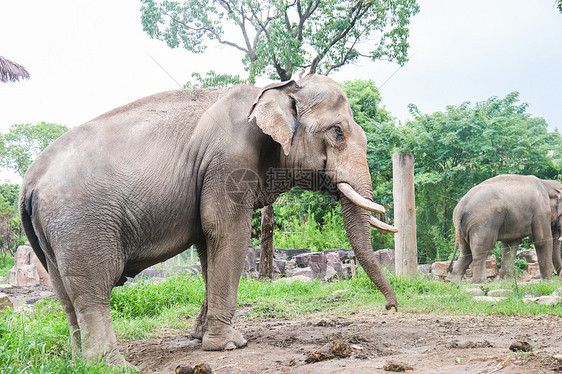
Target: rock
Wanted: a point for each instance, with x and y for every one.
(5, 302)
(529, 300)
(300, 278)
(153, 272)
(557, 293)
(533, 270)
(251, 260)
(331, 274)
(333, 349)
(318, 263)
(529, 255)
(440, 269)
(475, 291)
(489, 299)
(500, 293)
(424, 269)
(347, 272)
(288, 254)
(303, 272)
(28, 270)
(3, 280)
(345, 254)
(386, 258)
(197, 369)
(333, 260)
(397, 367)
(548, 300)
(279, 267)
(523, 277)
(520, 345)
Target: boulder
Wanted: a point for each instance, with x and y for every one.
(251, 260)
(500, 293)
(529, 255)
(424, 270)
(5, 302)
(533, 270)
(548, 300)
(28, 270)
(440, 269)
(489, 299)
(318, 263)
(300, 278)
(288, 254)
(558, 293)
(333, 260)
(475, 291)
(303, 272)
(386, 258)
(345, 254)
(491, 268)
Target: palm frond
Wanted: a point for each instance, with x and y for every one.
(11, 72)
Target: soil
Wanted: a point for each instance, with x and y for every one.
(428, 343)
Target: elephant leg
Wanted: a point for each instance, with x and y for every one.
(88, 284)
(481, 243)
(227, 249)
(460, 266)
(64, 299)
(200, 323)
(556, 256)
(542, 236)
(509, 251)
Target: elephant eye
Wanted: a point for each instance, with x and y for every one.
(339, 132)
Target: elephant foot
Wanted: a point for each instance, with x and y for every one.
(227, 338)
(198, 330)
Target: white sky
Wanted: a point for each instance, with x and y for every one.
(87, 57)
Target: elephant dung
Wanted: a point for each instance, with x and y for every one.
(197, 369)
(5, 302)
(396, 367)
(28, 270)
(520, 345)
(333, 349)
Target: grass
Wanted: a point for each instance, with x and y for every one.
(6, 263)
(38, 341)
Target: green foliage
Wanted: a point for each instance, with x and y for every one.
(24, 142)
(11, 234)
(465, 145)
(39, 342)
(279, 37)
(147, 299)
(6, 263)
(212, 79)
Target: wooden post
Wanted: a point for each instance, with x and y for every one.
(406, 248)
(266, 249)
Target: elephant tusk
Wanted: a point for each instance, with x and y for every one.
(381, 225)
(359, 200)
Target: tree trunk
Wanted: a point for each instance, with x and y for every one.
(266, 250)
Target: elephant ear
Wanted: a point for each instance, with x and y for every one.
(275, 114)
(554, 189)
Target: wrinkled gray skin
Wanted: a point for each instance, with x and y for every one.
(141, 184)
(508, 208)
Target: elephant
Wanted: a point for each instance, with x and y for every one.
(508, 208)
(145, 181)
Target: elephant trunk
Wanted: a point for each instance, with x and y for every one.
(357, 226)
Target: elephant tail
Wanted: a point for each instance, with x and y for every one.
(27, 204)
(450, 268)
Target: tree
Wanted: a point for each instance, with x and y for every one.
(212, 79)
(24, 142)
(11, 72)
(559, 5)
(280, 37)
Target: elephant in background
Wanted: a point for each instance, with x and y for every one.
(508, 208)
(145, 181)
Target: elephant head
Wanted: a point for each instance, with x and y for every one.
(313, 124)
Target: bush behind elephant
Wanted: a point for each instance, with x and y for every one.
(144, 182)
(508, 208)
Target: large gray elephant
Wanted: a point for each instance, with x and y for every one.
(144, 182)
(508, 208)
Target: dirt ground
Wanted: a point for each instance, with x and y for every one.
(426, 342)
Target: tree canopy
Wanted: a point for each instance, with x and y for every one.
(24, 142)
(279, 38)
